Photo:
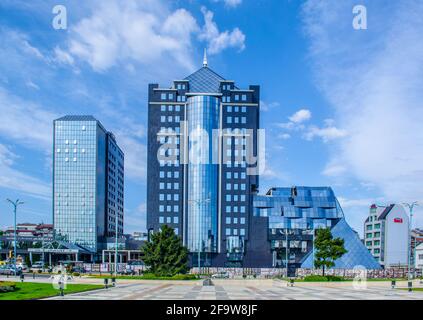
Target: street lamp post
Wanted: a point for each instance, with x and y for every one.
(198, 203)
(15, 206)
(410, 207)
(116, 241)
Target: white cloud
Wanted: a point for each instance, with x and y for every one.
(334, 169)
(219, 41)
(266, 106)
(13, 179)
(374, 83)
(32, 125)
(230, 3)
(326, 133)
(300, 116)
(63, 56)
(284, 136)
(140, 31)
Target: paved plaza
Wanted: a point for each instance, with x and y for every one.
(244, 290)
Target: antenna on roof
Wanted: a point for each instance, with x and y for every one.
(205, 58)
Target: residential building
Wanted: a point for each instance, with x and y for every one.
(284, 223)
(416, 239)
(419, 256)
(386, 234)
(30, 230)
(200, 131)
(88, 183)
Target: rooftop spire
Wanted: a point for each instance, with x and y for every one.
(205, 58)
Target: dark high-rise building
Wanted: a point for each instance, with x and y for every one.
(88, 182)
(202, 144)
(203, 166)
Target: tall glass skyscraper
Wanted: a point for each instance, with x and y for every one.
(199, 132)
(88, 171)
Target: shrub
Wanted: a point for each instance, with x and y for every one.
(151, 276)
(317, 278)
(40, 271)
(76, 274)
(334, 278)
(7, 286)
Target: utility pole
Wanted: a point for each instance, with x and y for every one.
(116, 241)
(15, 206)
(410, 207)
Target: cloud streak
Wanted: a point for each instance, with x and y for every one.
(373, 81)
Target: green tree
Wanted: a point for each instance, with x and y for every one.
(327, 249)
(165, 254)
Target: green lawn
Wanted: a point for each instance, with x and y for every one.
(413, 289)
(149, 276)
(33, 290)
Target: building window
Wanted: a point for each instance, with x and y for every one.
(163, 96)
(228, 231)
(228, 220)
(244, 97)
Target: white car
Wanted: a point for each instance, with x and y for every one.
(36, 267)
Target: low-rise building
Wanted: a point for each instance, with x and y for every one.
(419, 256)
(386, 234)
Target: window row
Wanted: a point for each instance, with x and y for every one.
(163, 208)
(236, 186)
(235, 220)
(235, 232)
(164, 107)
(168, 186)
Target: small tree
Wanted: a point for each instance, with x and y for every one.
(327, 249)
(165, 254)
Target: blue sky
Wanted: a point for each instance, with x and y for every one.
(341, 107)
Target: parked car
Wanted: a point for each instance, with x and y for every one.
(10, 270)
(128, 271)
(39, 265)
(79, 269)
(221, 275)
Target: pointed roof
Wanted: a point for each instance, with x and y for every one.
(357, 254)
(204, 80)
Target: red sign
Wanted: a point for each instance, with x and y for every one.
(398, 220)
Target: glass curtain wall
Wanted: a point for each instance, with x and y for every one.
(202, 218)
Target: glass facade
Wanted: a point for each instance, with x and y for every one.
(204, 192)
(203, 175)
(76, 196)
(294, 213)
(87, 181)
